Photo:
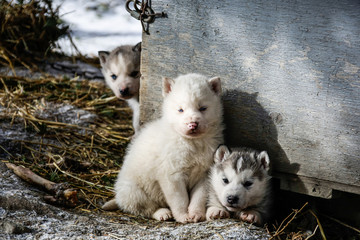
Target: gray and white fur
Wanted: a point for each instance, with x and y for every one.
(121, 70)
(239, 185)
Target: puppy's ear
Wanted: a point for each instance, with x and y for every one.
(221, 153)
(264, 160)
(137, 47)
(215, 85)
(167, 84)
(103, 56)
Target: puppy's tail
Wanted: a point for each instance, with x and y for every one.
(110, 205)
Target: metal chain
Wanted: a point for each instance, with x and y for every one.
(143, 12)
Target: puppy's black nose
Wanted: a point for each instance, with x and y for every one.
(232, 199)
(125, 92)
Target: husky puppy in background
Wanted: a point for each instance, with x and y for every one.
(121, 70)
(239, 185)
(164, 173)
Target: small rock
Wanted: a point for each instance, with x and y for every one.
(13, 228)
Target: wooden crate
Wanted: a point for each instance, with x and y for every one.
(290, 73)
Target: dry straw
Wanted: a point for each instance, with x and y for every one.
(86, 156)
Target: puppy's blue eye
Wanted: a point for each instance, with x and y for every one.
(225, 180)
(202, 109)
(181, 110)
(113, 77)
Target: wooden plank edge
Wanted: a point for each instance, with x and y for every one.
(312, 186)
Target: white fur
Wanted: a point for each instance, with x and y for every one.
(135, 107)
(165, 168)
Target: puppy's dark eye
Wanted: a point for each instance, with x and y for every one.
(181, 110)
(134, 73)
(225, 180)
(202, 109)
(247, 184)
(114, 77)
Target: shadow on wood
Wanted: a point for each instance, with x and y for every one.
(255, 128)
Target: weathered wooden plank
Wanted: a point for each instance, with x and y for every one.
(291, 71)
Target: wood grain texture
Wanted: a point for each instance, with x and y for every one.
(290, 72)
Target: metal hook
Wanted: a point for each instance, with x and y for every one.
(143, 12)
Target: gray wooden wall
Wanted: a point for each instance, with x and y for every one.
(291, 74)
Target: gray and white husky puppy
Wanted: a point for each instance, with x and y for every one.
(239, 185)
(164, 173)
(121, 70)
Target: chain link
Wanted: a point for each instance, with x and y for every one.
(143, 12)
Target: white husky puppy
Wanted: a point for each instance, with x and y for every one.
(165, 169)
(121, 70)
(240, 185)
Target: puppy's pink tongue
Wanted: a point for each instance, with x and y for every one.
(192, 125)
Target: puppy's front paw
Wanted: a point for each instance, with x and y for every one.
(197, 216)
(162, 214)
(250, 216)
(183, 218)
(215, 213)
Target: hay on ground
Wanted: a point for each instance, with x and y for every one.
(87, 154)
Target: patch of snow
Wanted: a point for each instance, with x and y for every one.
(65, 113)
(97, 25)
